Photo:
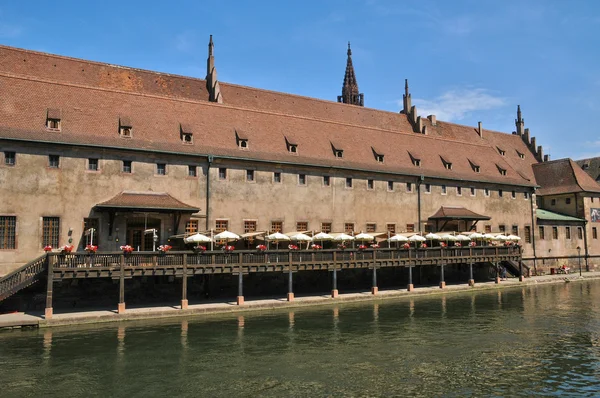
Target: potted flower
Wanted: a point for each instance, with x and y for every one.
(228, 248)
(261, 248)
(66, 249)
(443, 245)
(472, 244)
(457, 244)
(406, 246)
(199, 249)
(423, 246)
(342, 246)
(375, 245)
(292, 247)
(362, 247)
(47, 248)
(126, 249)
(91, 249)
(316, 247)
(164, 248)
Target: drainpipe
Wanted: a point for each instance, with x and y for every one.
(533, 228)
(585, 246)
(419, 200)
(209, 160)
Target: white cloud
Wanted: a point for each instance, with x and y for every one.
(455, 104)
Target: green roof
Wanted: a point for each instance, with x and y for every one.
(550, 216)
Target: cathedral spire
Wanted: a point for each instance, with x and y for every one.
(212, 82)
(350, 94)
(406, 99)
(519, 122)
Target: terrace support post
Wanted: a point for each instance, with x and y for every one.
(49, 310)
(334, 291)
(121, 306)
(184, 300)
(240, 297)
(521, 271)
(442, 281)
(497, 272)
(374, 288)
(290, 295)
(471, 280)
(410, 286)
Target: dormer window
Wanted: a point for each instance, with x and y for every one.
(501, 170)
(185, 133)
(521, 155)
(501, 151)
(338, 152)
(241, 139)
(292, 145)
(415, 159)
(447, 163)
(474, 166)
(53, 119)
(125, 127)
(378, 155)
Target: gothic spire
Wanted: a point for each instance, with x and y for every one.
(406, 99)
(350, 94)
(212, 82)
(519, 122)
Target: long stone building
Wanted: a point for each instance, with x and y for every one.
(122, 150)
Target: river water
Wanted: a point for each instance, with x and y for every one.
(542, 340)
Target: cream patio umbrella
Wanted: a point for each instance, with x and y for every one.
(431, 236)
(513, 238)
(322, 236)
(300, 237)
(343, 237)
(197, 238)
(364, 237)
(416, 239)
(226, 236)
(398, 238)
(277, 237)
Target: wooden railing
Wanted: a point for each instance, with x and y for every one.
(249, 257)
(22, 277)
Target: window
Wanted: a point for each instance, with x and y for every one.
(221, 225)
(93, 164)
(502, 228)
(568, 201)
(250, 175)
(10, 158)
(476, 169)
(379, 158)
(428, 228)
(161, 169)
(501, 171)
(50, 231)
(521, 155)
(348, 182)
(326, 227)
(191, 227)
(249, 226)
(326, 181)
(222, 173)
(501, 151)
(427, 188)
(293, 148)
(525, 195)
(391, 228)
(125, 132)
(515, 230)
(276, 226)
(301, 226)
(567, 232)
(473, 191)
(486, 191)
(53, 124)
(127, 166)
(500, 193)
(594, 233)
(8, 232)
(338, 153)
(371, 227)
(513, 195)
(187, 138)
(302, 179)
(527, 234)
(370, 184)
(542, 232)
(408, 187)
(553, 202)
(242, 143)
(91, 226)
(349, 228)
(390, 185)
(448, 166)
(487, 229)
(277, 177)
(459, 191)
(192, 171)
(554, 232)
(579, 233)
(410, 227)
(54, 161)
(444, 190)
(416, 162)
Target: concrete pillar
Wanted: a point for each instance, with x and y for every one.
(374, 288)
(410, 286)
(290, 295)
(497, 273)
(334, 290)
(49, 287)
(471, 280)
(240, 297)
(442, 281)
(121, 306)
(184, 300)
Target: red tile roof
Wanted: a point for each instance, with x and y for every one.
(563, 176)
(146, 201)
(93, 97)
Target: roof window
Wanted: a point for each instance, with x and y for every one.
(378, 155)
(501, 151)
(185, 133)
(415, 159)
(125, 126)
(53, 117)
(338, 152)
(447, 163)
(521, 155)
(292, 145)
(474, 166)
(501, 170)
(241, 139)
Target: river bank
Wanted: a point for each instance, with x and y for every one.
(94, 315)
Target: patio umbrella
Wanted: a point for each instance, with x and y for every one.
(448, 237)
(463, 238)
(513, 238)
(343, 237)
(364, 237)
(476, 235)
(487, 236)
(431, 236)
(197, 238)
(322, 236)
(226, 236)
(276, 237)
(300, 237)
(398, 238)
(416, 238)
(501, 237)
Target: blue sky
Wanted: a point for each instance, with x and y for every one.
(466, 61)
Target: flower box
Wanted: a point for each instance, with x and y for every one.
(164, 248)
(91, 249)
(316, 247)
(261, 248)
(292, 247)
(126, 249)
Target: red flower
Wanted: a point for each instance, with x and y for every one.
(315, 247)
(200, 248)
(423, 246)
(48, 248)
(228, 248)
(66, 249)
(362, 247)
(261, 248)
(91, 248)
(406, 246)
(126, 249)
(442, 244)
(292, 247)
(457, 244)
(164, 248)
(472, 244)
(375, 246)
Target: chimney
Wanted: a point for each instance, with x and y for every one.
(419, 126)
(526, 136)
(532, 144)
(546, 158)
(540, 152)
(425, 130)
(432, 119)
(479, 129)
(413, 114)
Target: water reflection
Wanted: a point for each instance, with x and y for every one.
(47, 344)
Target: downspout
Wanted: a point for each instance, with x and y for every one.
(419, 201)
(209, 160)
(533, 229)
(585, 246)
